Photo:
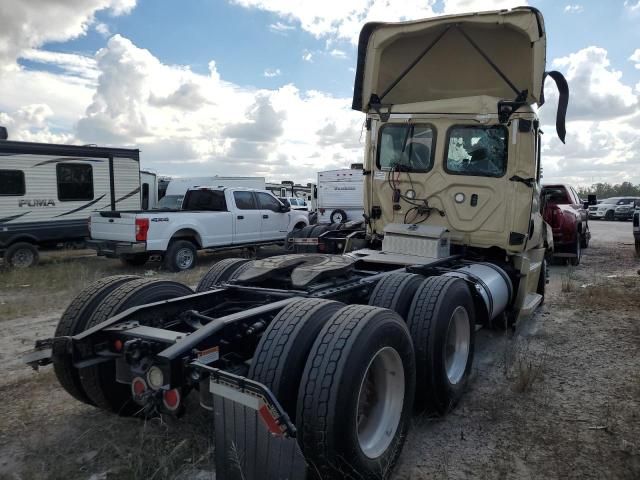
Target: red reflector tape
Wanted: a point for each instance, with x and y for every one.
(270, 422)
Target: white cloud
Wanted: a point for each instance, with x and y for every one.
(272, 72)
(103, 29)
(635, 58)
(31, 23)
(338, 53)
(307, 56)
(575, 8)
(281, 28)
(80, 65)
(634, 7)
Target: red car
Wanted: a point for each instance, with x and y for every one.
(569, 220)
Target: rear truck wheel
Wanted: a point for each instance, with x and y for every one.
(585, 237)
(72, 322)
(99, 381)
(283, 349)
(134, 260)
(543, 279)
(219, 273)
(356, 394)
(338, 216)
(577, 250)
(609, 215)
(442, 325)
(395, 292)
(21, 255)
(181, 255)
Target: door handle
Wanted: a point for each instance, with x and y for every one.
(240, 217)
(265, 216)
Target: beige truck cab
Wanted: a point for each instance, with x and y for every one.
(453, 138)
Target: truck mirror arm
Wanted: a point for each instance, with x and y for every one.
(563, 101)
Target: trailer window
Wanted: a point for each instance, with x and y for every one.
(478, 151)
(406, 147)
(210, 200)
(145, 196)
(75, 181)
(245, 200)
(11, 182)
(267, 202)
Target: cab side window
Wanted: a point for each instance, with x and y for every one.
(209, 200)
(267, 202)
(245, 200)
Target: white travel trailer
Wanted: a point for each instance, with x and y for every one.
(177, 187)
(339, 195)
(48, 191)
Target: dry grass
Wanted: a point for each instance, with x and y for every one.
(523, 366)
(569, 281)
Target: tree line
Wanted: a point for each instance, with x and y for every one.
(606, 190)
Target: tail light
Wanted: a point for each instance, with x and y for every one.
(171, 399)
(142, 227)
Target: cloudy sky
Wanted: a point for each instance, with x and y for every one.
(263, 87)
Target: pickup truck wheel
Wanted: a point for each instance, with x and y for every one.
(577, 250)
(442, 325)
(219, 273)
(638, 247)
(395, 292)
(609, 215)
(356, 394)
(584, 239)
(134, 260)
(283, 349)
(338, 216)
(99, 381)
(72, 322)
(21, 255)
(181, 255)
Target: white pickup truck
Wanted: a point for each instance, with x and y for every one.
(210, 218)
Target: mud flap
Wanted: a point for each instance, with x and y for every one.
(254, 438)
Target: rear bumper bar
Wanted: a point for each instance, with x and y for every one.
(112, 248)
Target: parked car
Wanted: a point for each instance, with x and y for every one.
(568, 218)
(616, 208)
(210, 218)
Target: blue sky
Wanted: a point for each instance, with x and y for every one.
(264, 86)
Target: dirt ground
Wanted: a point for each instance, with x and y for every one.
(559, 398)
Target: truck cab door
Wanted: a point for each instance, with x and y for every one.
(210, 214)
(247, 219)
(274, 221)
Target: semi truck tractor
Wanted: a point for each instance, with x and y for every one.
(314, 364)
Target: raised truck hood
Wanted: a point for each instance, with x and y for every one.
(498, 54)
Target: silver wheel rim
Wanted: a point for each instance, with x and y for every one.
(380, 401)
(457, 345)
(184, 258)
(22, 258)
(337, 218)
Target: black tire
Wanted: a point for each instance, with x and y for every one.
(609, 215)
(72, 322)
(175, 258)
(577, 250)
(395, 292)
(21, 255)
(306, 232)
(219, 273)
(99, 381)
(638, 247)
(543, 279)
(318, 230)
(584, 238)
(328, 398)
(135, 260)
(338, 216)
(431, 313)
(283, 349)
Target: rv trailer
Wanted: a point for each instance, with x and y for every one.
(47, 192)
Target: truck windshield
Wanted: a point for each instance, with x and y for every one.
(406, 147)
(479, 151)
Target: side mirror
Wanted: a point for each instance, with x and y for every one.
(592, 199)
(284, 208)
(585, 205)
